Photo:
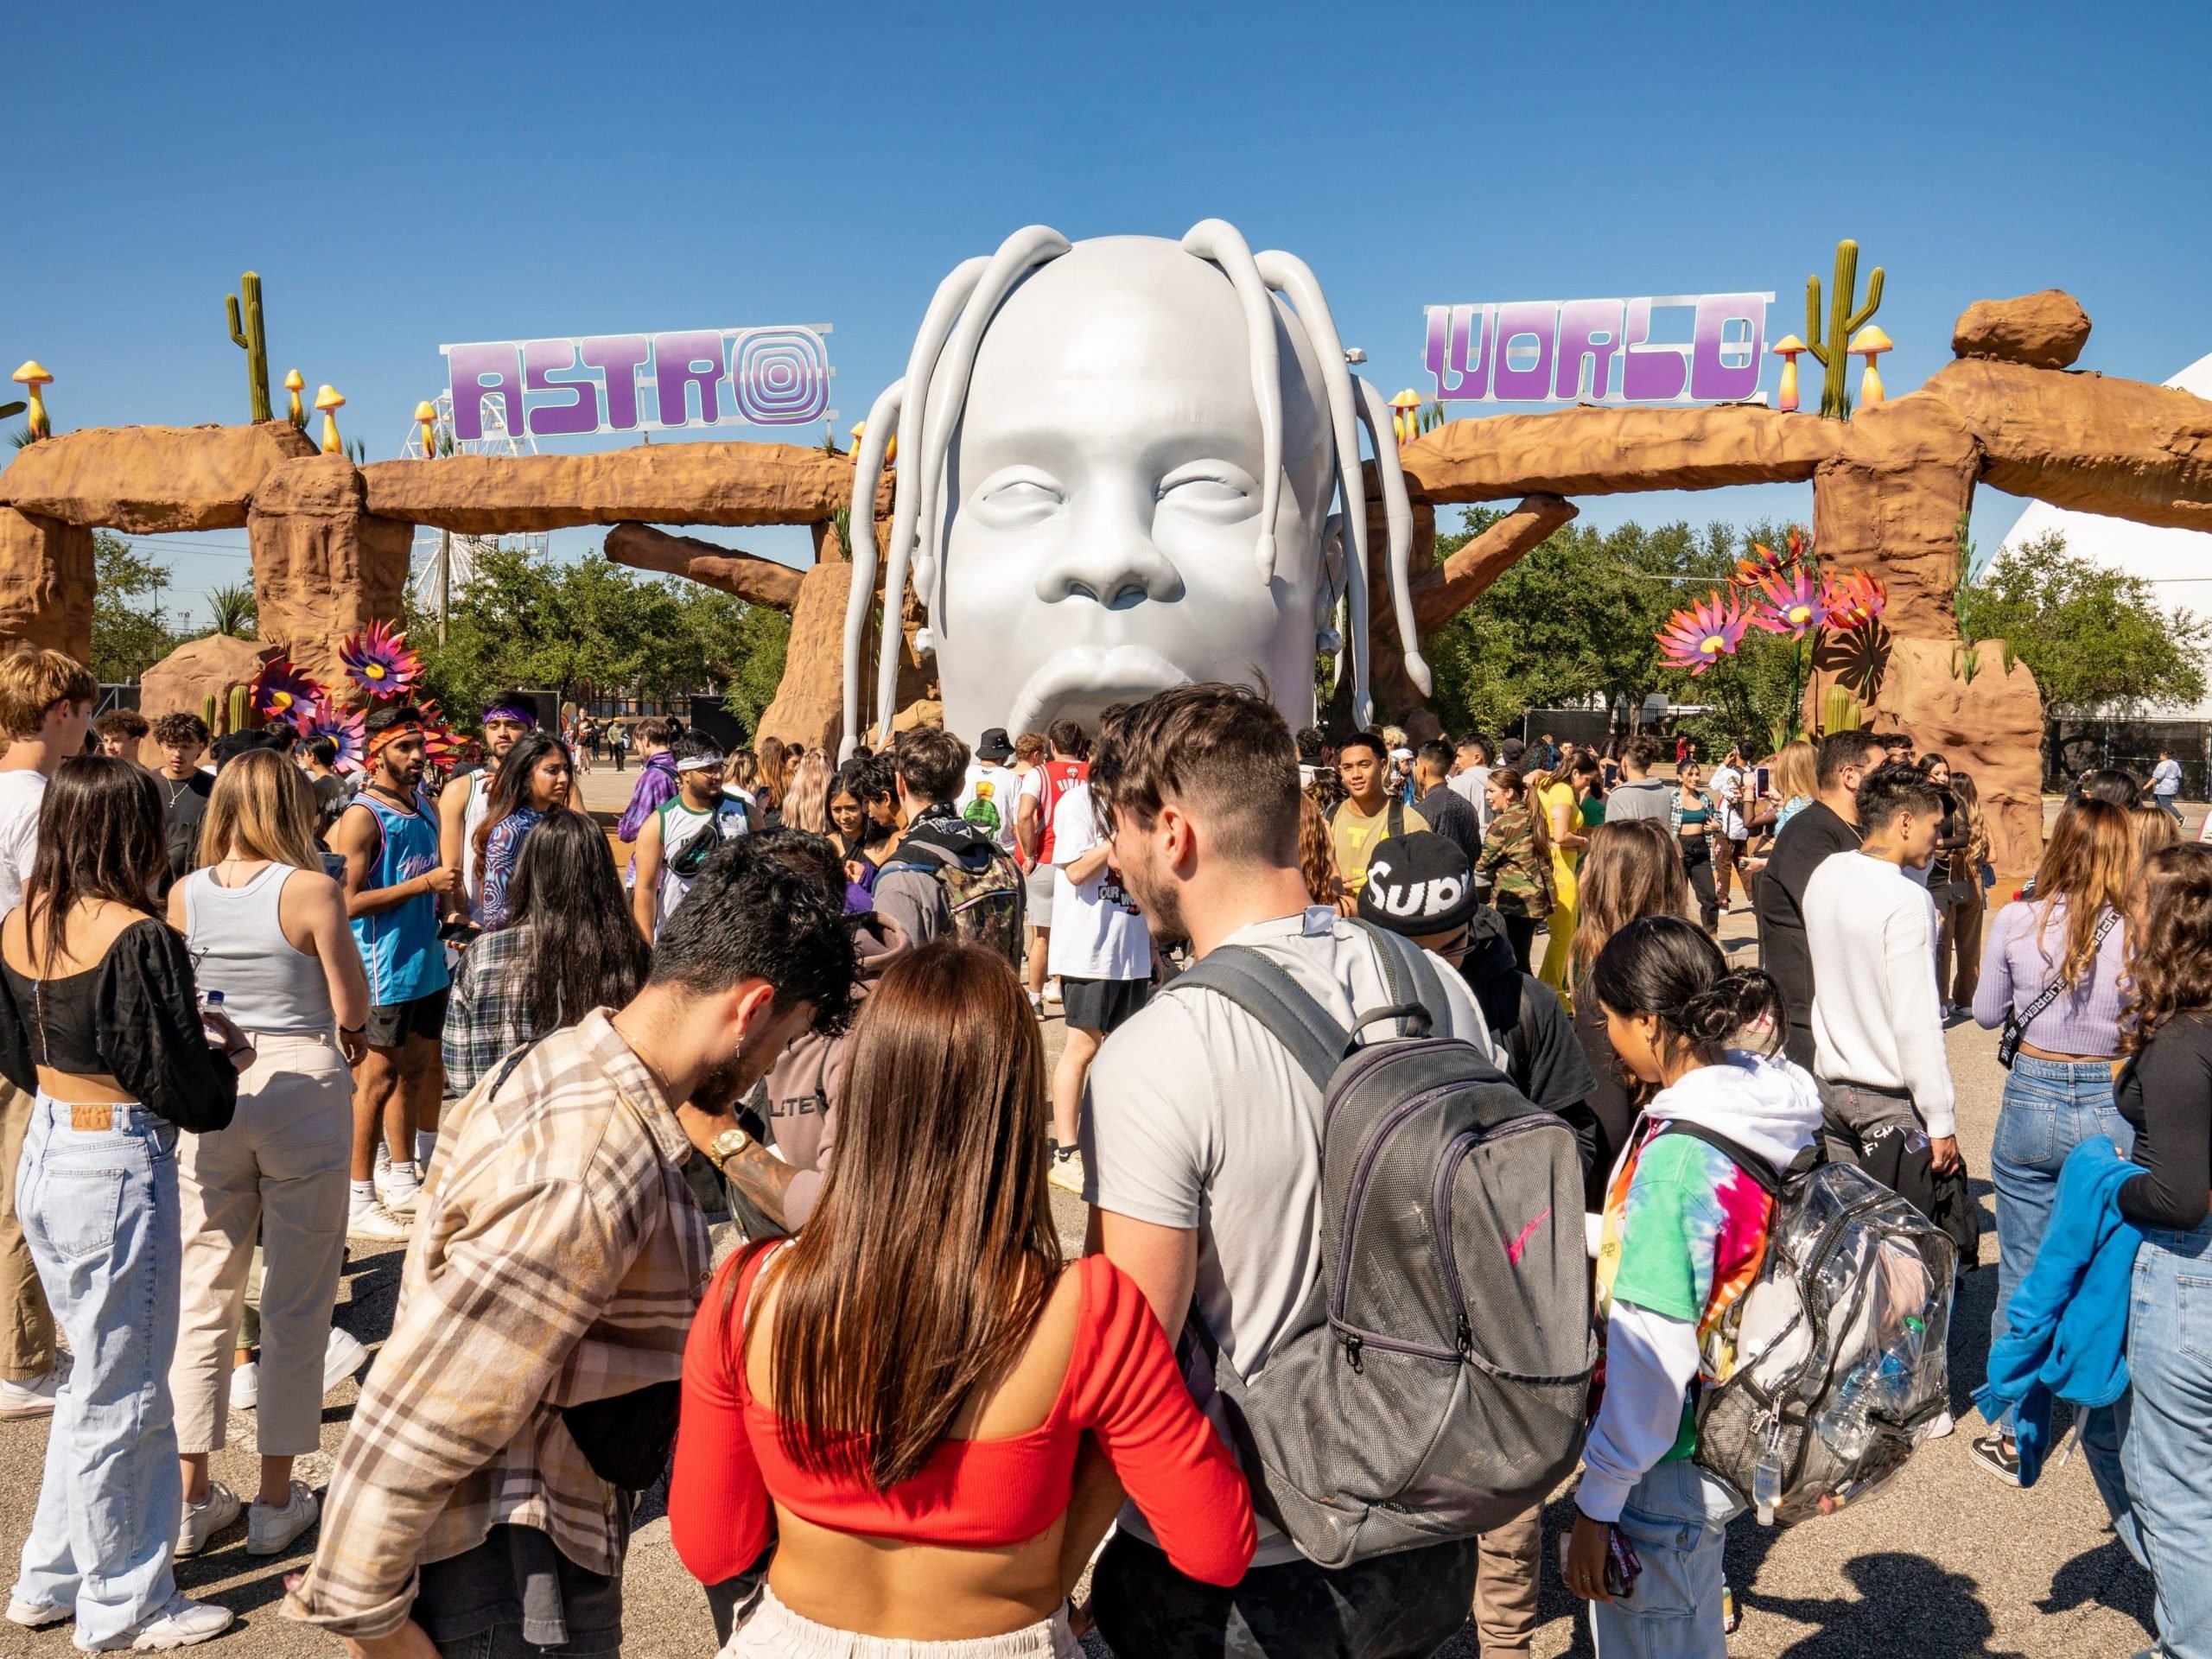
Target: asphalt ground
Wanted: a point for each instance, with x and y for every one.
(1947, 1562)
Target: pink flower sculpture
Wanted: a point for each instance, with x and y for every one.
(1791, 604)
(1853, 600)
(440, 742)
(343, 726)
(377, 660)
(1763, 563)
(1700, 635)
(280, 692)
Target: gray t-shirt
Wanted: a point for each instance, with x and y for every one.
(1647, 797)
(1197, 1118)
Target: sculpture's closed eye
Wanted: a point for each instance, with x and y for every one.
(1212, 490)
(1017, 497)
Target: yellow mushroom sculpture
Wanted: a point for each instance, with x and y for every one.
(295, 382)
(1788, 348)
(426, 416)
(35, 379)
(1406, 421)
(329, 402)
(1870, 343)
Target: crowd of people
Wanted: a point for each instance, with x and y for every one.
(898, 1420)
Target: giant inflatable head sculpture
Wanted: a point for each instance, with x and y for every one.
(1123, 464)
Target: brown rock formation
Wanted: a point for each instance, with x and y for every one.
(1889, 501)
(753, 579)
(148, 481)
(183, 682)
(652, 483)
(1591, 451)
(809, 707)
(1441, 592)
(2044, 331)
(46, 581)
(2116, 446)
(323, 567)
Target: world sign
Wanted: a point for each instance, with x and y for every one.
(631, 383)
(1600, 351)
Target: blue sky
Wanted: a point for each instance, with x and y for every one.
(405, 176)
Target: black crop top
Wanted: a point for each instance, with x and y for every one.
(134, 1016)
(2165, 1093)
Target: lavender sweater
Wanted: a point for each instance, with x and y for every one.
(2016, 966)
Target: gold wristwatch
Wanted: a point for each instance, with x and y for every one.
(726, 1145)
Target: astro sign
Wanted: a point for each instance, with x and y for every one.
(1600, 351)
(629, 383)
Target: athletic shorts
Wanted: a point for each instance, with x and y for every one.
(1101, 1005)
(393, 1023)
(1039, 882)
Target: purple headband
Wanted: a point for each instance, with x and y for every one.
(513, 712)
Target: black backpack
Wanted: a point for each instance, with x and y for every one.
(1433, 1385)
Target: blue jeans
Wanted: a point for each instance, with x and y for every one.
(2050, 1107)
(1677, 1517)
(2164, 1512)
(99, 1208)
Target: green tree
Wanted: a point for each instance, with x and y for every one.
(233, 610)
(2096, 639)
(130, 626)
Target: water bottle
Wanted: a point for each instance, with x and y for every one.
(212, 1002)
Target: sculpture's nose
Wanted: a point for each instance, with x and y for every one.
(1115, 565)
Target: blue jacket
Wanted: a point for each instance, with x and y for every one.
(2069, 1317)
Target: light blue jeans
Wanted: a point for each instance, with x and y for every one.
(2050, 1107)
(2164, 1512)
(99, 1209)
(1677, 1517)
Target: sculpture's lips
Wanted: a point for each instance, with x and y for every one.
(1103, 673)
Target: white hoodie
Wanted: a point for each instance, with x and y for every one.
(1769, 1107)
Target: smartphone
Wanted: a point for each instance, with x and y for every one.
(1623, 1565)
(1764, 777)
(459, 930)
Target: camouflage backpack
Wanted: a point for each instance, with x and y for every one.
(985, 905)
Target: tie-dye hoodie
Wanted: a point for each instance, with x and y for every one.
(1685, 1233)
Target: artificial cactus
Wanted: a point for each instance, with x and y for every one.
(1832, 351)
(208, 712)
(1840, 711)
(252, 339)
(241, 710)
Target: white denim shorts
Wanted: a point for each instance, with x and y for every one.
(776, 1632)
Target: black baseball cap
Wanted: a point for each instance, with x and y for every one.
(1419, 884)
(994, 748)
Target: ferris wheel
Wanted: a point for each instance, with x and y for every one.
(443, 564)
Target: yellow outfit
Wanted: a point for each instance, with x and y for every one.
(1556, 969)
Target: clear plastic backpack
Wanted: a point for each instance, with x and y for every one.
(1839, 1345)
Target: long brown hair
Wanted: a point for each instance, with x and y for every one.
(1630, 870)
(1968, 794)
(263, 805)
(2152, 829)
(806, 802)
(768, 755)
(1317, 856)
(2089, 862)
(1521, 789)
(890, 1314)
(510, 791)
(99, 836)
(2169, 943)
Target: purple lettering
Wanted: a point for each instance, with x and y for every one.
(1650, 374)
(480, 371)
(681, 361)
(1537, 320)
(540, 359)
(617, 356)
(1725, 363)
(1589, 328)
(1459, 350)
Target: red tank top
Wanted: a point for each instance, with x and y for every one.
(1059, 777)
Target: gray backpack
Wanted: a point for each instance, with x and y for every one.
(1433, 1386)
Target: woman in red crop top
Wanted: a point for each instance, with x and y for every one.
(897, 1397)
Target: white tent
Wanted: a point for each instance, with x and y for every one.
(2178, 564)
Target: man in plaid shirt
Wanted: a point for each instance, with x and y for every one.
(557, 1260)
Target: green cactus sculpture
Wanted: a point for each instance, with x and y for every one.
(208, 712)
(1841, 711)
(241, 710)
(1833, 351)
(252, 339)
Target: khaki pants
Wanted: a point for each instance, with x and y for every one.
(1505, 1586)
(279, 1174)
(26, 1323)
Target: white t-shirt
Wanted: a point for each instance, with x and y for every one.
(1723, 786)
(1195, 1117)
(1093, 937)
(1000, 786)
(20, 793)
(1878, 1015)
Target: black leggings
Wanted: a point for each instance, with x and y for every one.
(1521, 930)
(1697, 861)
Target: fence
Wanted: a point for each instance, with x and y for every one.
(2074, 747)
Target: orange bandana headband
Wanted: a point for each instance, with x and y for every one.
(391, 735)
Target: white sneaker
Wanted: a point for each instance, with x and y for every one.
(245, 1386)
(400, 1198)
(375, 1220)
(36, 1614)
(33, 1397)
(197, 1527)
(180, 1624)
(1067, 1172)
(271, 1531)
(1939, 1427)
(341, 1357)
(1052, 992)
